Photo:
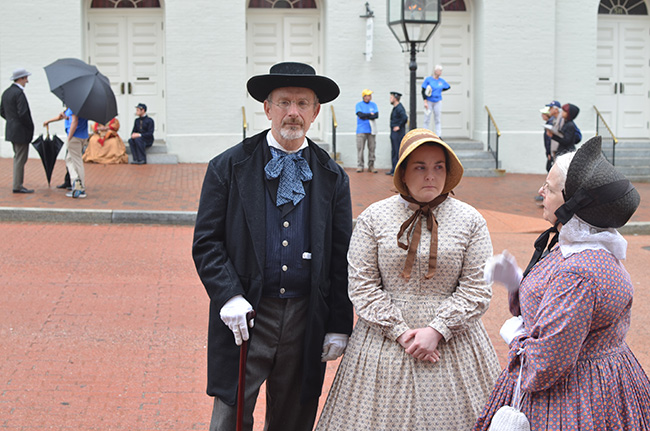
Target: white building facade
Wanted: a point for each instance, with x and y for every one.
(189, 62)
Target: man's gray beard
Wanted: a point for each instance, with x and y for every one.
(290, 135)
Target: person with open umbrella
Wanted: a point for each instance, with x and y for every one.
(19, 128)
(76, 128)
(88, 96)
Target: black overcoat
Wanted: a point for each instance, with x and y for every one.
(229, 253)
(14, 108)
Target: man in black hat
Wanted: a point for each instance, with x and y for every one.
(142, 135)
(19, 128)
(398, 119)
(271, 235)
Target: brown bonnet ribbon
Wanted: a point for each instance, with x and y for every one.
(414, 226)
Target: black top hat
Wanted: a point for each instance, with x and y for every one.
(595, 191)
(292, 75)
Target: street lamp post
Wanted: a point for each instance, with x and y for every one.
(413, 23)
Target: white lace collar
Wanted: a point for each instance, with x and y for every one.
(578, 235)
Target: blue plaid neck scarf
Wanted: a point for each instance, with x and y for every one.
(292, 169)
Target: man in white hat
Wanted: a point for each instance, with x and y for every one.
(271, 235)
(19, 127)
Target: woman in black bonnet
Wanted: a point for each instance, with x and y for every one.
(577, 372)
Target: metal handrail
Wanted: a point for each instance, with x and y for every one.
(334, 126)
(244, 123)
(495, 153)
(600, 118)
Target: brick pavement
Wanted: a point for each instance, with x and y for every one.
(177, 188)
(103, 327)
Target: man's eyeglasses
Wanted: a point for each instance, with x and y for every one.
(302, 105)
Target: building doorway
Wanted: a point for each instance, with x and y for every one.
(277, 31)
(623, 60)
(450, 47)
(125, 40)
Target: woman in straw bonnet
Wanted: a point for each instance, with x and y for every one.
(419, 357)
(575, 299)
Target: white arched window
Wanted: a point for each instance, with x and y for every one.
(453, 6)
(622, 7)
(133, 4)
(282, 4)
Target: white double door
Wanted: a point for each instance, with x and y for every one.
(450, 47)
(128, 49)
(623, 63)
(274, 37)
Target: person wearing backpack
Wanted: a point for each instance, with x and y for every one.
(568, 136)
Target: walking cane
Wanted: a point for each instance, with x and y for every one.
(242, 377)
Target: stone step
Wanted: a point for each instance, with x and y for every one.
(157, 154)
(476, 162)
(460, 144)
(159, 159)
(631, 158)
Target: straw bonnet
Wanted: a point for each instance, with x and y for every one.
(411, 141)
(595, 191)
(291, 74)
(19, 73)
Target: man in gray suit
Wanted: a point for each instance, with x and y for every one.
(272, 234)
(19, 127)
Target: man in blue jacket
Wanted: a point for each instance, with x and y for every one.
(367, 112)
(432, 89)
(142, 135)
(272, 234)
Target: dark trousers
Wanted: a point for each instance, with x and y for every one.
(138, 146)
(274, 355)
(395, 141)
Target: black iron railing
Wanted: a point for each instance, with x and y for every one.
(600, 121)
(334, 126)
(244, 123)
(493, 135)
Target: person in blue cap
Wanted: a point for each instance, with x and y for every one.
(558, 121)
(142, 135)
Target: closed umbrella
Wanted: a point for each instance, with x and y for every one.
(83, 89)
(48, 148)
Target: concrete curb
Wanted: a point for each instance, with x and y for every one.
(635, 228)
(184, 218)
(61, 215)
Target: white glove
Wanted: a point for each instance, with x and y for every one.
(503, 268)
(512, 328)
(233, 314)
(333, 346)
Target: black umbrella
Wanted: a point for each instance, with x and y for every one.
(48, 148)
(83, 89)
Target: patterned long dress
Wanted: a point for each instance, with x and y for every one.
(578, 372)
(378, 386)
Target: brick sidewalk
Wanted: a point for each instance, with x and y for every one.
(103, 327)
(178, 187)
